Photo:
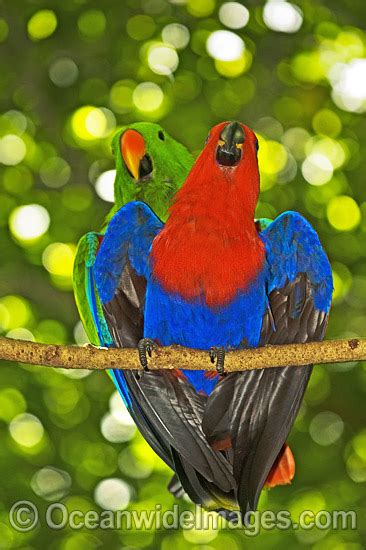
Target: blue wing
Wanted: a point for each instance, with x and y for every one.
(293, 248)
(165, 406)
(118, 277)
(256, 409)
(127, 240)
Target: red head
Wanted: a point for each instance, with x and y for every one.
(228, 162)
(209, 246)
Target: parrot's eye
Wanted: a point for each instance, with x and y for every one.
(256, 145)
(161, 135)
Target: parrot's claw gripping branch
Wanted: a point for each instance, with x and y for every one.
(145, 348)
(218, 354)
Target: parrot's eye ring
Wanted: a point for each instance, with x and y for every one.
(161, 135)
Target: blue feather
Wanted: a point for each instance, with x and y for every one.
(105, 339)
(128, 237)
(293, 247)
(92, 301)
(120, 383)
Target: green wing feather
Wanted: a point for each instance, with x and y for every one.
(83, 291)
(86, 296)
(262, 223)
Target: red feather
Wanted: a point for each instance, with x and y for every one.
(283, 469)
(209, 246)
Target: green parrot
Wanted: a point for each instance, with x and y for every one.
(150, 166)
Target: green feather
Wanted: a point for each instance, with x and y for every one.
(84, 258)
(263, 223)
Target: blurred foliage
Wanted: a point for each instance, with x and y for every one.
(72, 71)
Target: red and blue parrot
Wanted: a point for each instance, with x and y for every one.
(211, 279)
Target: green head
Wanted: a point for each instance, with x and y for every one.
(151, 166)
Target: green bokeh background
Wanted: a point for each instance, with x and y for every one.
(69, 77)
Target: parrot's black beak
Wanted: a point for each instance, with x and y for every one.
(230, 146)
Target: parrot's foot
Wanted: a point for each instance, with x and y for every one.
(145, 347)
(218, 355)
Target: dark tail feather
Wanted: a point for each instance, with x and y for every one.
(175, 487)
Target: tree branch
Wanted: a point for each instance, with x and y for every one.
(90, 357)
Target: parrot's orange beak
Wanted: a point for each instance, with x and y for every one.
(133, 150)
